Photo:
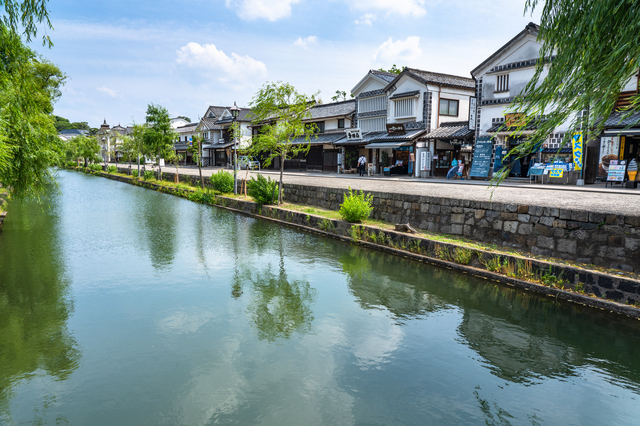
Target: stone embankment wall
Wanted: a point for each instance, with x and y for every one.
(610, 241)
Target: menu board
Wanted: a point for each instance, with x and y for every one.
(609, 147)
(481, 157)
(616, 171)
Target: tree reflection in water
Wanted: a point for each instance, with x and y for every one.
(34, 302)
(157, 228)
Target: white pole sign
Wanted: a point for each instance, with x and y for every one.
(472, 113)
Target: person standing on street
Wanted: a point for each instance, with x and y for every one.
(362, 163)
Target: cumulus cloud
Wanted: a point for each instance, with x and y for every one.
(414, 8)
(366, 19)
(397, 52)
(107, 91)
(208, 58)
(271, 10)
(306, 42)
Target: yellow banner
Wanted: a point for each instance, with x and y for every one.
(577, 151)
(556, 173)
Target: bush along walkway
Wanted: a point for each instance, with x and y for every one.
(565, 282)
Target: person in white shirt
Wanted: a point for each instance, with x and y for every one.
(362, 163)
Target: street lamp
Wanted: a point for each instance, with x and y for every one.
(235, 111)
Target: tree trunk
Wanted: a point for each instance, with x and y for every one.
(200, 170)
(138, 165)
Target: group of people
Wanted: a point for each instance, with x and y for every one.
(458, 169)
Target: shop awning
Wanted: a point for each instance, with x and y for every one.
(382, 145)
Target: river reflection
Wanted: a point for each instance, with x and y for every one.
(238, 320)
(35, 303)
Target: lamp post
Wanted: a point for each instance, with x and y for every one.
(235, 111)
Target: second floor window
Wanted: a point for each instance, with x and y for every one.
(404, 107)
(502, 84)
(378, 103)
(449, 107)
(340, 123)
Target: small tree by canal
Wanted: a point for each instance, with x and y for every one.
(158, 136)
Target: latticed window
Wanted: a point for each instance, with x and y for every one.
(378, 103)
(502, 83)
(376, 124)
(404, 107)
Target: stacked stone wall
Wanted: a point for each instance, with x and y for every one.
(606, 240)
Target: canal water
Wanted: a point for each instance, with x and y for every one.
(124, 306)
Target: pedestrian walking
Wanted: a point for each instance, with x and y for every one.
(362, 163)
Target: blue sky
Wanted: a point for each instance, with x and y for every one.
(185, 55)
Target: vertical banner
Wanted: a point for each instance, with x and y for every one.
(577, 151)
(472, 113)
(622, 141)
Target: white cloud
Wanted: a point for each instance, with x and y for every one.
(398, 52)
(413, 8)
(366, 19)
(271, 10)
(306, 42)
(208, 58)
(107, 91)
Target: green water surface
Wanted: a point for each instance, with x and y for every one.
(124, 306)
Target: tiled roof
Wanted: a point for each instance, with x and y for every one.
(335, 109)
(442, 79)
(451, 130)
(73, 132)
(409, 135)
(623, 119)
(387, 76)
(211, 123)
(366, 138)
(405, 94)
(321, 138)
(244, 116)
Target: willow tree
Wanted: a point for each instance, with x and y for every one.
(280, 111)
(590, 51)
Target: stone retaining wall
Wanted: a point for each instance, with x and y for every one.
(610, 241)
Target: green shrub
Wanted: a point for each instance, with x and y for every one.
(112, 169)
(135, 173)
(148, 175)
(222, 182)
(71, 163)
(263, 190)
(95, 167)
(356, 206)
(201, 197)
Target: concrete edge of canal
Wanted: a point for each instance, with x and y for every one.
(568, 283)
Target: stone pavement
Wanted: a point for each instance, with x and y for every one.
(594, 198)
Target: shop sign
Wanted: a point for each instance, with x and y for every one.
(353, 134)
(577, 151)
(609, 148)
(557, 173)
(616, 171)
(396, 129)
(425, 160)
(472, 113)
(481, 157)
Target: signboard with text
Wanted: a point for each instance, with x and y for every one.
(353, 134)
(556, 173)
(472, 113)
(482, 157)
(576, 143)
(616, 171)
(396, 128)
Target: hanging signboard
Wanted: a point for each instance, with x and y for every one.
(577, 151)
(396, 129)
(353, 134)
(481, 157)
(609, 147)
(472, 113)
(616, 171)
(425, 161)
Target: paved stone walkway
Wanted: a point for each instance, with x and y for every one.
(595, 198)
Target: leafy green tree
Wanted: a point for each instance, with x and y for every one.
(393, 70)
(159, 135)
(195, 148)
(341, 95)
(591, 49)
(29, 146)
(174, 158)
(87, 148)
(137, 137)
(25, 15)
(280, 109)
